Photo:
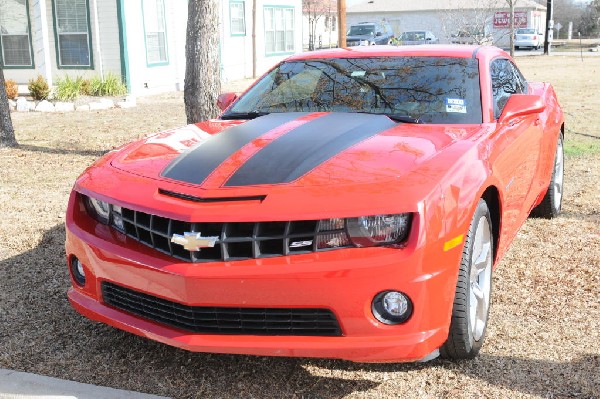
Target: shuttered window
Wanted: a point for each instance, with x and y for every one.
(71, 21)
(156, 33)
(279, 30)
(237, 18)
(15, 43)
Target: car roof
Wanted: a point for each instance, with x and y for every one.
(434, 50)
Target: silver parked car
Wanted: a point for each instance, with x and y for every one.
(528, 37)
(418, 37)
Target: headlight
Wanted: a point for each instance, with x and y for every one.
(97, 209)
(332, 234)
(104, 212)
(369, 231)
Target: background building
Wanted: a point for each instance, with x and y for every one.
(448, 19)
(141, 40)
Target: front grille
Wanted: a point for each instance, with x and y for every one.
(236, 240)
(223, 320)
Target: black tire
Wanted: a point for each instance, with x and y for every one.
(465, 337)
(551, 204)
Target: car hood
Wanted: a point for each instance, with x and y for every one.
(291, 149)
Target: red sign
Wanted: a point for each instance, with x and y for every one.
(502, 19)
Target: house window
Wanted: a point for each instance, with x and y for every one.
(279, 30)
(237, 18)
(73, 36)
(15, 43)
(156, 32)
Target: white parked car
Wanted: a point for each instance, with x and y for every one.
(528, 37)
(418, 37)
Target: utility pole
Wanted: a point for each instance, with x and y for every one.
(254, 75)
(512, 27)
(549, 26)
(342, 23)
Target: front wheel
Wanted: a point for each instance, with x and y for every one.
(551, 204)
(473, 290)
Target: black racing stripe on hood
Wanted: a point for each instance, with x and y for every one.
(306, 147)
(194, 165)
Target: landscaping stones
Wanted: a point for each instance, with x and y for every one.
(130, 101)
(44, 106)
(100, 105)
(64, 107)
(21, 104)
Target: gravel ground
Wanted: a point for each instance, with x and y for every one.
(543, 339)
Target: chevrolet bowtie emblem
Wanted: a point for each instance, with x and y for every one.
(193, 241)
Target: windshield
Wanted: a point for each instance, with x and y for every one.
(361, 30)
(526, 31)
(431, 89)
(413, 36)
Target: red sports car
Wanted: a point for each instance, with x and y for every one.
(351, 204)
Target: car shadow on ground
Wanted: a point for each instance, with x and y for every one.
(62, 151)
(577, 378)
(41, 333)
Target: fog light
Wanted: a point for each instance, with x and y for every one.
(392, 307)
(78, 271)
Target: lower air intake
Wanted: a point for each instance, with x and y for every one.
(223, 320)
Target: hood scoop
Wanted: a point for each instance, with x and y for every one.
(193, 198)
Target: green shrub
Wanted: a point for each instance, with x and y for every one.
(38, 88)
(86, 87)
(112, 85)
(96, 86)
(12, 89)
(68, 89)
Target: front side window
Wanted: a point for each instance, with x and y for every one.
(506, 81)
(15, 44)
(237, 18)
(279, 30)
(430, 89)
(156, 32)
(71, 19)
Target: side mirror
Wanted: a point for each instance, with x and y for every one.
(225, 100)
(378, 34)
(521, 105)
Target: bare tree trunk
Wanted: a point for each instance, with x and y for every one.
(511, 3)
(7, 133)
(202, 72)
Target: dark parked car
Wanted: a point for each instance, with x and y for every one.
(369, 33)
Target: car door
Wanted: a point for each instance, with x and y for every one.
(518, 145)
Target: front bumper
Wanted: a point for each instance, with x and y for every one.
(344, 281)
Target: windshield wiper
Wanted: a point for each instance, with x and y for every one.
(243, 115)
(397, 117)
(403, 118)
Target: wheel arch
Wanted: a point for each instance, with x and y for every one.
(491, 196)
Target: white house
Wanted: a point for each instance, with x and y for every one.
(141, 40)
(446, 18)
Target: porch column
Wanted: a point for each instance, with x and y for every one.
(41, 44)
